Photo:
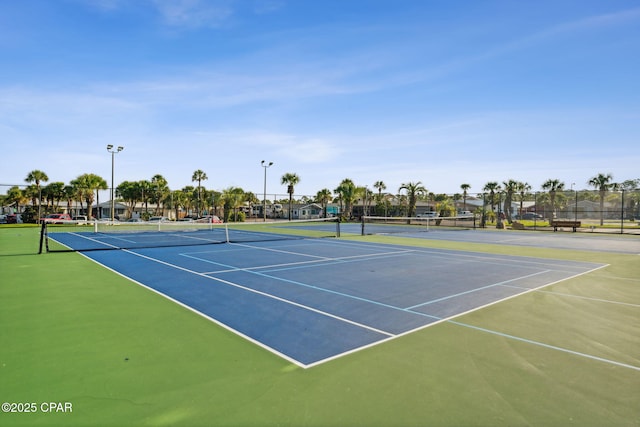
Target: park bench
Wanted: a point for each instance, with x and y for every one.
(564, 223)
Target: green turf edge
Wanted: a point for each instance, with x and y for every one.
(73, 331)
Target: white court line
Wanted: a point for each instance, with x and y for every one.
(96, 240)
(320, 260)
(134, 242)
(317, 288)
(555, 264)
(590, 298)
(236, 285)
(549, 346)
(389, 335)
(478, 289)
(497, 259)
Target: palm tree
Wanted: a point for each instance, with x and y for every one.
(129, 192)
(290, 180)
(366, 195)
(233, 197)
(522, 188)
(414, 190)
(145, 190)
(553, 186)
(492, 187)
(160, 190)
(54, 192)
(465, 192)
(510, 186)
(324, 197)
(179, 199)
(347, 193)
(187, 203)
(199, 176)
(89, 183)
(17, 196)
(37, 176)
(380, 186)
(78, 194)
(602, 182)
(68, 193)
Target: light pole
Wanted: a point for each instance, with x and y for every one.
(113, 153)
(575, 209)
(264, 199)
(622, 214)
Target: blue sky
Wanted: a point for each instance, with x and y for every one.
(441, 92)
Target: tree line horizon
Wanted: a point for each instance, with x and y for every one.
(85, 189)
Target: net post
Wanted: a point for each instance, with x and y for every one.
(226, 231)
(43, 232)
(362, 226)
(95, 226)
(338, 227)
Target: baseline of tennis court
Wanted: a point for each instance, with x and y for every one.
(312, 300)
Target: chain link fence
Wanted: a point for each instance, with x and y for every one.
(583, 210)
(575, 210)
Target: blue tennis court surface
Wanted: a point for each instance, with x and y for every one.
(312, 300)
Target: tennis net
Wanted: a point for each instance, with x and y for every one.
(95, 236)
(389, 225)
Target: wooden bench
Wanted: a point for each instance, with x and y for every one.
(564, 223)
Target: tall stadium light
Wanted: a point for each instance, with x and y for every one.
(264, 197)
(113, 153)
(575, 207)
(622, 214)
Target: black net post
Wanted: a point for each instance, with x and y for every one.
(43, 238)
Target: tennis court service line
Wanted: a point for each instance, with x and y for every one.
(317, 288)
(265, 294)
(320, 261)
(231, 268)
(98, 240)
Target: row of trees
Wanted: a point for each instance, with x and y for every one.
(603, 183)
(197, 200)
(86, 188)
(80, 189)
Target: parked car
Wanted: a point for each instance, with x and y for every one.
(210, 219)
(134, 220)
(56, 218)
(158, 219)
(427, 215)
(81, 219)
(465, 215)
(14, 219)
(3, 219)
(530, 216)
